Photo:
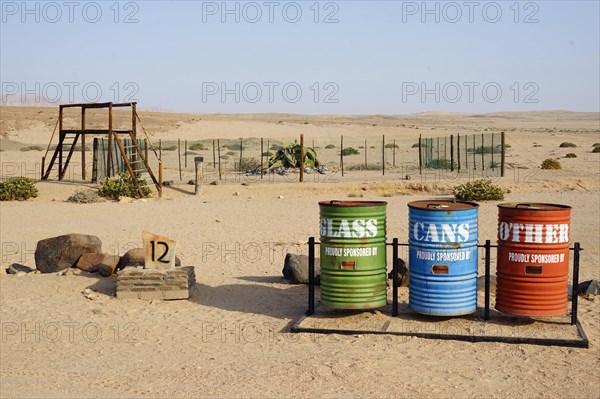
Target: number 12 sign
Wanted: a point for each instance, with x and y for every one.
(159, 251)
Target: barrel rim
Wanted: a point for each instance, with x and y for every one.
(534, 206)
(340, 203)
(453, 205)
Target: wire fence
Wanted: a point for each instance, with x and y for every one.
(224, 159)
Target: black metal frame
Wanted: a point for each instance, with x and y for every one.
(395, 244)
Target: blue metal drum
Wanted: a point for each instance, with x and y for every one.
(443, 257)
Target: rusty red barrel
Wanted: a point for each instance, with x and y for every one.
(533, 259)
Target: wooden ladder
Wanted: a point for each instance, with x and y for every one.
(135, 161)
(66, 142)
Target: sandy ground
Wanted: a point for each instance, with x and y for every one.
(231, 339)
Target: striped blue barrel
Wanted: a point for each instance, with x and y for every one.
(443, 257)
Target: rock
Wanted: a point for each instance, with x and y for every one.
(402, 274)
(245, 184)
(214, 183)
(295, 269)
(168, 183)
(89, 262)
(192, 182)
(236, 194)
(17, 268)
(90, 294)
(280, 197)
(62, 252)
(408, 177)
(108, 265)
(589, 287)
(136, 257)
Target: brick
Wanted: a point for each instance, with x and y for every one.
(127, 295)
(150, 295)
(178, 294)
(140, 289)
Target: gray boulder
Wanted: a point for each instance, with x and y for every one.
(136, 257)
(589, 287)
(295, 269)
(62, 252)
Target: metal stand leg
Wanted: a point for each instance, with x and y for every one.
(395, 277)
(311, 276)
(574, 295)
(486, 315)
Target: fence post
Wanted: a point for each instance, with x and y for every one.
(160, 148)
(241, 153)
(482, 153)
(342, 154)
(420, 155)
(451, 153)
(94, 161)
(438, 152)
(394, 153)
(262, 154)
(179, 157)
(366, 167)
(383, 155)
(502, 154)
(214, 155)
(219, 155)
(185, 147)
(458, 151)
(301, 157)
(198, 161)
(474, 161)
(492, 164)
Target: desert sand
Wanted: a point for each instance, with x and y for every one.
(232, 338)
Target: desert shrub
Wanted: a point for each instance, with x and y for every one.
(17, 188)
(596, 149)
(486, 149)
(571, 155)
(440, 164)
(233, 146)
(567, 145)
(32, 148)
(350, 151)
(372, 147)
(122, 186)
(392, 145)
(478, 190)
(362, 166)
(169, 148)
(197, 147)
(355, 194)
(330, 146)
(275, 147)
(231, 153)
(416, 145)
(550, 163)
(84, 197)
(596, 145)
(246, 164)
(267, 154)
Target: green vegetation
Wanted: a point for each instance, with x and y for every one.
(439, 164)
(567, 145)
(596, 149)
(362, 166)
(486, 150)
(478, 190)
(392, 145)
(571, 155)
(350, 151)
(197, 147)
(330, 146)
(289, 157)
(247, 164)
(84, 197)
(550, 163)
(122, 186)
(32, 148)
(170, 148)
(17, 188)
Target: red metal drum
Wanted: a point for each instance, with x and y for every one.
(533, 259)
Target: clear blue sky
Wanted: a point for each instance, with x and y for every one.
(372, 57)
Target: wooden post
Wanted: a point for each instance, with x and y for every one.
(482, 153)
(82, 144)
(458, 151)
(160, 178)
(134, 130)
(394, 153)
(214, 155)
(383, 155)
(492, 163)
(420, 155)
(301, 158)
(474, 151)
(467, 153)
(198, 162)
(438, 152)
(95, 161)
(43, 167)
(445, 147)
(160, 148)
(342, 154)
(60, 140)
(185, 147)
(262, 154)
(219, 154)
(451, 153)
(179, 157)
(241, 153)
(502, 154)
(366, 151)
(110, 139)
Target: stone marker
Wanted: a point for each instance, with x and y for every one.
(108, 265)
(136, 257)
(149, 284)
(59, 253)
(89, 262)
(295, 269)
(159, 251)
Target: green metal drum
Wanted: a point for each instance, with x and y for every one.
(353, 254)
